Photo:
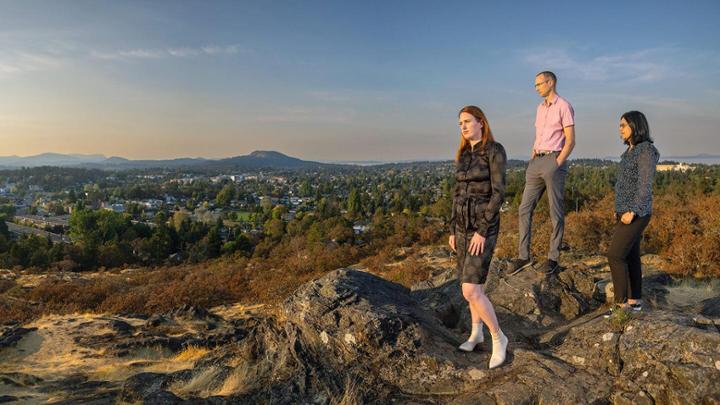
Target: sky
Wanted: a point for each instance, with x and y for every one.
(341, 80)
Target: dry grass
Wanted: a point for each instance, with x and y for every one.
(201, 384)
(620, 318)
(191, 354)
(406, 271)
(149, 360)
(352, 394)
(234, 383)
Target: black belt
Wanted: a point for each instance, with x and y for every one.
(468, 213)
(546, 152)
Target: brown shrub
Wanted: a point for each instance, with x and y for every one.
(132, 301)
(376, 263)
(507, 244)
(6, 284)
(17, 310)
(407, 272)
(431, 234)
(686, 232)
(75, 296)
(589, 231)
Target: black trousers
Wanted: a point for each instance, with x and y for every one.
(624, 258)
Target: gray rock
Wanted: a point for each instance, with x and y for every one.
(352, 337)
(669, 358)
(142, 385)
(163, 398)
(19, 379)
(121, 327)
(12, 333)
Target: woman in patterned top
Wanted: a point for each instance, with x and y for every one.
(633, 208)
(475, 222)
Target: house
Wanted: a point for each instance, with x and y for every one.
(119, 208)
(359, 228)
(681, 167)
(220, 178)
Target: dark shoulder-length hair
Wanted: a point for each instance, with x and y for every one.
(639, 126)
(487, 135)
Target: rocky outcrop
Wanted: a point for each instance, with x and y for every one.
(352, 337)
(11, 333)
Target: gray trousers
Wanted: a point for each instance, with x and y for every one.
(543, 173)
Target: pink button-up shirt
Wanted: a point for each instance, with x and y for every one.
(549, 123)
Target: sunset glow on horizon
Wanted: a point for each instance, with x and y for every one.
(336, 81)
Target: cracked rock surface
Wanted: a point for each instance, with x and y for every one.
(353, 337)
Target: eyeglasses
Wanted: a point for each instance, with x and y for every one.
(540, 84)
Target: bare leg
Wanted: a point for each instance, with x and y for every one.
(480, 303)
(476, 333)
(480, 306)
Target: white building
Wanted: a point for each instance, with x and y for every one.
(680, 167)
(119, 208)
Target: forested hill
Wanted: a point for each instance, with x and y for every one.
(255, 160)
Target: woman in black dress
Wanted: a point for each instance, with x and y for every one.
(475, 222)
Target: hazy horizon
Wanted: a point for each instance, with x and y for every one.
(704, 158)
(347, 82)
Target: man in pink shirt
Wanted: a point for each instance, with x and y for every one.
(547, 169)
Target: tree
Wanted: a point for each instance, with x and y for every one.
(3, 226)
(341, 232)
(306, 189)
(354, 205)
(266, 205)
(278, 211)
(214, 242)
(8, 210)
(179, 218)
(160, 218)
(225, 196)
(162, 243)
(275, 229)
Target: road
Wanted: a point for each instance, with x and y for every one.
(24, 230)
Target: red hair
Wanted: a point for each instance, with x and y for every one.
(487, 135)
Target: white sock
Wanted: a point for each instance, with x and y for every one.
(477, 333)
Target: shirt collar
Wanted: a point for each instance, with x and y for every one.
(553, 101)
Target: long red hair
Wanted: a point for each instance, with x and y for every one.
(487, 135)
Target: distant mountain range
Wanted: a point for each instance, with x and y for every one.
(704, 158)
(255, 160)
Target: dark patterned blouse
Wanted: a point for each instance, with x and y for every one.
(479, 190)
(634, 187)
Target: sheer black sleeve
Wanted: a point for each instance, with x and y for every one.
(498, 162)
(452, 216)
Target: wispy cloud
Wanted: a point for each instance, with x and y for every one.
(642, 65)
(14, 62)
(56, 55)
(131, 54)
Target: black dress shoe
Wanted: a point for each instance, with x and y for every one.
(549, 267)
(517, 265)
